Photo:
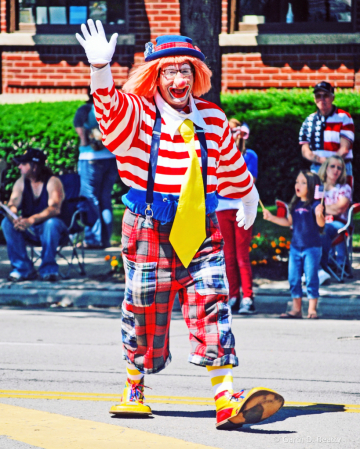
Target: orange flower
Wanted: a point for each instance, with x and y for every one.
(254, 245)
(107, 257)
(282, 239)
(288, 246)
(114, 258)
(282, 245)
(259, 235)
(265, 261)
(275, 258)
(288, 242)
(254, 262)
(250, 249)
(273, 244)
(278, 251)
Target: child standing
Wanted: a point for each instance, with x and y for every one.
(307, 217)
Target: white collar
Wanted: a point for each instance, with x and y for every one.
(174, 118)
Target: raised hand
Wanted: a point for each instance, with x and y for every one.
(98, 50)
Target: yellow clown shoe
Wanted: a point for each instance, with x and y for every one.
(234, 410)
(132, 400)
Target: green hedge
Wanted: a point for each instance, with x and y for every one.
(274, 117)
(48, 126)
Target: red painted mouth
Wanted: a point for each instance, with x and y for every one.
(179, 93)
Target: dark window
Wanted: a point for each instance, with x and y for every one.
(61, 16)
(297, 15)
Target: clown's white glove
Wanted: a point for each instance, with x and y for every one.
(98, 50)
(246, 214)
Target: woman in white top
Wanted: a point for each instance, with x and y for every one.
(337, 199)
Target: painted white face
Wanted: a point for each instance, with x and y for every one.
(175, 84)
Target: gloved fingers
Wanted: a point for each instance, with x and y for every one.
(85, 31)
(113, 40)
(98, 61)
(80, 39)
(240, 214)
(91, 25)
(100, 28)
(249, 221)
(241, 222)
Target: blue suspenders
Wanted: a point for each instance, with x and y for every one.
(154, 152)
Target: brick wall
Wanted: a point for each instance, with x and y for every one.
(159, 17)
(224, 16)
(257, 71)
(46, 71)
(25, 72)
(3, 27)
(67, 71)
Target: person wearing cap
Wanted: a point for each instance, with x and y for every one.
(328, 131)
(98, 173)
(38, 195)
(175, 151)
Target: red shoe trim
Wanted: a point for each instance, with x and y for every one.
(222, 393)
(224, 415)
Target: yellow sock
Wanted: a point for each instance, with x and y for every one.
(221, 381)
(133, 373)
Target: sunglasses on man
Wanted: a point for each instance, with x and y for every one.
(324, 96)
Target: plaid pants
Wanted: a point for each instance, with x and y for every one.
(154, 274)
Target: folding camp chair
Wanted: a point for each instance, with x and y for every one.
(343, 269)
(77, 212)
(345, 234)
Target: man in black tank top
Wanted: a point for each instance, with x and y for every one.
(38, 195)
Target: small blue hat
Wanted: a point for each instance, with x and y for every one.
(171, 45)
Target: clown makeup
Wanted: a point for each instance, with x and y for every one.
(175, 84)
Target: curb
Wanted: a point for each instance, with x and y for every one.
(340, 307)
(79, 298)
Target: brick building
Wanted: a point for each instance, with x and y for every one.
(264, 43)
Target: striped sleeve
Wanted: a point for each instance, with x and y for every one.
(118, 114)
(347, 128)
(304, 134)
(234, 179)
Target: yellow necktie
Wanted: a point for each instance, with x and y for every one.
(189, 228)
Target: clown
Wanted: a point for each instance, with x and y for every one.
(175, 151)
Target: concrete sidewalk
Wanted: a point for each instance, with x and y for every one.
(336, 300)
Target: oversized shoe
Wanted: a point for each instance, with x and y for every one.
(259, 404)
(132, 401)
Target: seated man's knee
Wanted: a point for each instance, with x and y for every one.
(53, 225)
(7, 226)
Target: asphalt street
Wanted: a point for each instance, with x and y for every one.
(61, 370)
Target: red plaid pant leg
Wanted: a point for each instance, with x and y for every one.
(204, 302)
(154, 274)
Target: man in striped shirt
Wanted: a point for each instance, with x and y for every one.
(175, 151)
(327, 131)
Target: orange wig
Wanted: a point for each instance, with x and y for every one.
(143, 79)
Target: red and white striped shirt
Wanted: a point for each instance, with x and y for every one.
(126, 122)
(323, 133)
